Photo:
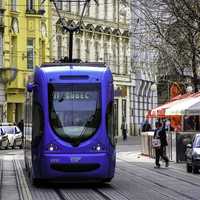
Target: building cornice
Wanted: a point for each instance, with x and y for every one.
(90, 20)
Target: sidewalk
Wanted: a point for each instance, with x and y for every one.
(130, 150)
(131, 140)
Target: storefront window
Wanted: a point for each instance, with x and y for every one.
(189, 123)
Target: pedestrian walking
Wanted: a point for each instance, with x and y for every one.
(21, 127)
(160, 134)
(124, 129)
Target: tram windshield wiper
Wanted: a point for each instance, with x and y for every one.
(91, 120)
(61, 98)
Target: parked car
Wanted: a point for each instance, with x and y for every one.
(4, 142)
(193, 155)
(14, 135)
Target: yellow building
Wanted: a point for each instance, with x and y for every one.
(25, 45)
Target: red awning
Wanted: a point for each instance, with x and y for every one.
(159, 112)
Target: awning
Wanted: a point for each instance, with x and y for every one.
(186, 106)
(160, 111)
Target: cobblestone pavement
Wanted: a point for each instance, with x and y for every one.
(135, 179)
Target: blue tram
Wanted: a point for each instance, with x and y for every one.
(69, 123)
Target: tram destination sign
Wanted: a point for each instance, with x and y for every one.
(76, 95)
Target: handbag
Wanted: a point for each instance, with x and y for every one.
(156, 143)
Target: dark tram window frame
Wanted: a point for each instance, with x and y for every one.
(110, 129)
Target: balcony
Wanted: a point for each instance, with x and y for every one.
(17, 83)
(7, 74)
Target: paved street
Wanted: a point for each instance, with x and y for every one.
(135, 179)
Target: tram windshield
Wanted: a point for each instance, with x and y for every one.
(74, 110)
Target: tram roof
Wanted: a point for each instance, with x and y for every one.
(85, 64)
(78, 67)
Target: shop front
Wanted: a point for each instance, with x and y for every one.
(181, 121)
(121, 105)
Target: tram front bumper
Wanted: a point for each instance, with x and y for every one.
(80, 166)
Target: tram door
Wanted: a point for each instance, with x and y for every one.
(116, 116)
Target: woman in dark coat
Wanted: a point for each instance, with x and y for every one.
(160, 133)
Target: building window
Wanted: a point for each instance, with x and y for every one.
(97, 11)
(114, 57)
(78, 50)
(87, 50)
(30, 53)
(13, 5)
(124, 64)
(106, 9)
(68, 6)
(106, 53)
(114, 10)
(87, 10)
(59, 47)
(14, 51)
(30, 5)
(59, 5)
(42, 51)
(1, 4)
(96, 47)
(78, 7)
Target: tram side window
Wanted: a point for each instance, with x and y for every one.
(110, 122)
(28, 115)
(38, 121)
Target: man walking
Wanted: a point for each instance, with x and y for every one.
(124, 128)
(160, 133)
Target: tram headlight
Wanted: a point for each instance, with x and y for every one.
(52, 147)
(98, 147)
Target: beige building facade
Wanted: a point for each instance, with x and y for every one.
(103, 37)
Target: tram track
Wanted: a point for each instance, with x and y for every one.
(168, 175)
(89, 194)
(163, 190)
(116, 196)
(110, 193)
(68, 192)
(22, 186)
(77, 192)
(60, 194)
(160, 185)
